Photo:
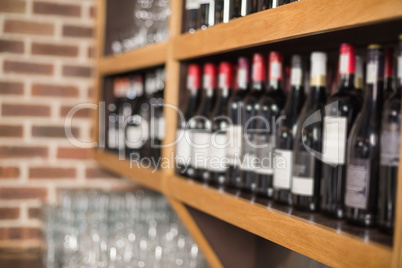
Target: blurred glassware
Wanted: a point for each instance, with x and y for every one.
(116, 230)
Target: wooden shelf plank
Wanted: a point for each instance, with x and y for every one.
(196, 233)
(290, 21)
(148, 56)
(144, 176)
(324, 244)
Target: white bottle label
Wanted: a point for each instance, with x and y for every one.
(302, 186)
(242, 78)
(343, 63)
(275, 70)
(233, 151)
(399, 67)
(160, 134)
(372, 70)
(283, 161)
(334, 140)
(200, 142)
(296, 77)
(112, 138)
(134, 137)
(217, 153)
(183, 148)
(192, 4)
(390, 136)
(357, 183)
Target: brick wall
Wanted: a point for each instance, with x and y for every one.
(46, 66)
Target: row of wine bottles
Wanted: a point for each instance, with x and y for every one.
(200, 14)
(337, 154)
(136, 126)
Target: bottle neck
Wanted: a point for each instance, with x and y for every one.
(346, 81)
(206, 103)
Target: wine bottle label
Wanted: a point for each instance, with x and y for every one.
(192, 4)
(400, 67)
(250, 160)
(201, 2)
(121, 137)
(303, 174)
(200, 142)
(390, 145)
(207, 81)
(233, 151)
(372, 71)
(242, 78)
(334, 140)
(223, 81)
(217, 153)
(161, 127)
(265, 146)
(296, 77)
(153, 127)
(357, 183)
(275, 71)
(226, 10)
(112, 138)
(317, 80)
(134, 137)
(191, 82)
(183, 148)
(283, 161)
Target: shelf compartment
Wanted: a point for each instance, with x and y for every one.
(309, 237)
(284, 23)
(144, 176)
(148, 56)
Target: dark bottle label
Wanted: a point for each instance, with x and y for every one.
(390, 145)
(264, 147)
(303, 174)
(357, 183)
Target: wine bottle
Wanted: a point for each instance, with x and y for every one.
(359, 79)
(235, 130)
(183, 146)
(133, 128)
(145, 117)
(306, 168)
(270, 107)
(191, 15)
(119, 92)
(204, 15)
(248, 7)
(219, 11)
(389, 72)
(264, 4)
(389, 156)
(200, 127)
(250, 111)
(157, 121)
(234, 9)
(217, 165)
(363, 147)
(341, 111)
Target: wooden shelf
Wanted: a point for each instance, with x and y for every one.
(146, 177)
(298, 19)
(148, 56)
(327, 245)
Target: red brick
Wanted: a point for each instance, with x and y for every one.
(96, 173)
(27, 68)
(51, 173)
(13, 193)
(78, 71)
(12, 6)
(92, 12)
(35, 213)
(22, 152)
(56, 9)
(10, 131)
(11, 88)
(9, 213)
(9, 172)
(54, 50)
(78, 31)
(21, 233)
(52, 131)
(74, 153)
(28, 27)
(54, 90)
(82, 113)
(11, 46)
(25, 110)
